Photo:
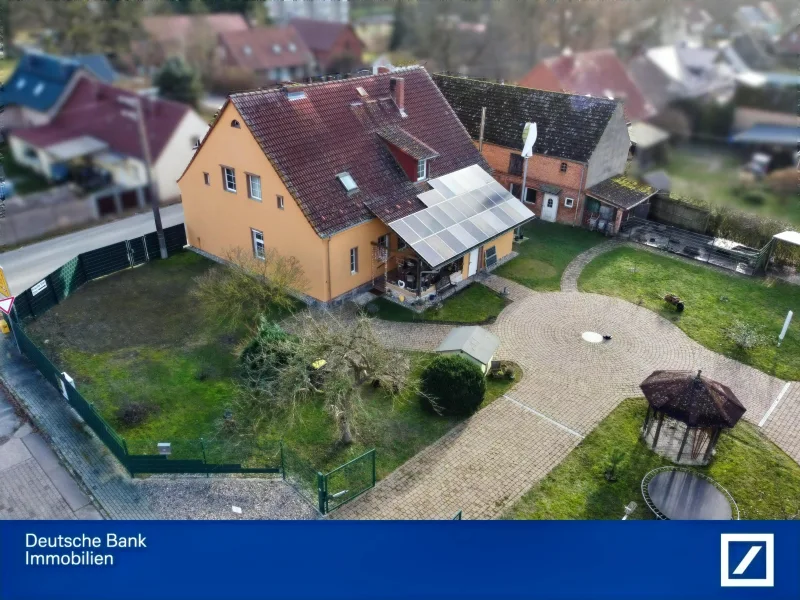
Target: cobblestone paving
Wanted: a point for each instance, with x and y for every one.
(484, 465)
(569, 279)
(27, 493)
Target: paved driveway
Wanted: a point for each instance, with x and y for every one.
(569, 386)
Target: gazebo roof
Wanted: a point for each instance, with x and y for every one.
(692, 399)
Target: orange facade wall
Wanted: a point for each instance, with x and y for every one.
(361, 237)
(541, 169)
(218, 220)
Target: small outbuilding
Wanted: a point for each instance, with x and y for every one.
(474, 343)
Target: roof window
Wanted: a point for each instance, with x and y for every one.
(21, 83)
(247, 50)
(38, 89)
(347, 181)
(276, 48)
(292, 48)
(295, 95)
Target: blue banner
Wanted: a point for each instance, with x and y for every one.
(154, 560)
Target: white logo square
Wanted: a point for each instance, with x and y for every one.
(768, 541)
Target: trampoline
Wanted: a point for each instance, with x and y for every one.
(674, 493)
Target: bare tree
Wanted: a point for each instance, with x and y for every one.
(325, 357)
(250, 284)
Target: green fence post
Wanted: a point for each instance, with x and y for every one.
(374, 476)
(125, 446)
(205, 462)
(283, 465)
(322, 493)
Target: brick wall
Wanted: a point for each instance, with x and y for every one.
(541, 169)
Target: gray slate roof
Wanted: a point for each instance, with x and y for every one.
(622, 192)
(474, 341)
(569, 126)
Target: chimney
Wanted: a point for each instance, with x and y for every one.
(398, 90)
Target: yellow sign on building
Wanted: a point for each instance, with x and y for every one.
(4, 291)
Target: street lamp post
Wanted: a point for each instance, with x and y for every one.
(138, 116)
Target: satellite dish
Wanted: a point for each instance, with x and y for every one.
(529, 138)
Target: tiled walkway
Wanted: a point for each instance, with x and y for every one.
(568, 387)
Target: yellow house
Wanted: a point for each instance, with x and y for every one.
(370, 182)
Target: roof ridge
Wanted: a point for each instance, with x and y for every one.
(524, 87)
(323, 83)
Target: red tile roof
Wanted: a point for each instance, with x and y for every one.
(170, 28)
(93, 109)
(597, 73)
(335, 129)
(320, 35)
(263, 43)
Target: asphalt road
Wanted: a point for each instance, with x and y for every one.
(27, 265)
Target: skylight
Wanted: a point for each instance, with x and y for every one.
(247, 50)
(299, 95)
(276, 49)
(21, 83)
(347, 181)
(292, 48)
(38, 89)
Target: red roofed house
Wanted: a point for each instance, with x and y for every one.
(369, 182)
(174, 35)
(334, 44)
(274, 53)
(595, 72)
(89, 134)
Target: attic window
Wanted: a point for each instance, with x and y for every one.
(38, 89)
(422, 170)
(276, 48)
(21, 83)
(347, 181)
(235, 124)
(247, 50)
(563, 167)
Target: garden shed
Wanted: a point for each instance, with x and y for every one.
(474, 343)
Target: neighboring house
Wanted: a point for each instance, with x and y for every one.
(367, 181)
(788, 47)
(382, 64)
(581, 149)
(331, 43)
(681, 72)
(334, 11)
(763, 18)
(177, 35)
(274, 53)
(36, 89)
(596, 73)
(473, 343)
(90, 137)
(98, 65)
(375, 31)
(648, 145)
(675, 22)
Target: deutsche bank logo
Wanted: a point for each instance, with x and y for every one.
(748, 560)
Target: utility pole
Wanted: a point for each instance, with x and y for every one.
(138, 116)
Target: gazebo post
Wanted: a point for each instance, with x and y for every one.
(711, 443)
(658, 430)
(683, 443)
(646, 420)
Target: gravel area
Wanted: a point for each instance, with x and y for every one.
(198, 498)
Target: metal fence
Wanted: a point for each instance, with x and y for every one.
(325, 491)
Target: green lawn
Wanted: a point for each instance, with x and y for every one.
(764, 482)
(138, 336)
(7, 66)
(545, 253)
(474, 304)
(713, 176)
(713, 300)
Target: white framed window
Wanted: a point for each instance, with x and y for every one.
(280, 202)
(569, 202)
(422, 170)
(206, 178)
(254, 187)
(229, 179)
(347, 181)
(353, 261)
(383, 241)
(258, 244)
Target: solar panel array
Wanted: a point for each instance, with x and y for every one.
(465, 208)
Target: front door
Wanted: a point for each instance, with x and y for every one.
(549, 207)
(473, 263)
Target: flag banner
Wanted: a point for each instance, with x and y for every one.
(88, 560)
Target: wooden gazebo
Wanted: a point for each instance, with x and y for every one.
(686, 415)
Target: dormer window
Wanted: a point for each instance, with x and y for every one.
(347, 181)
(422, 170)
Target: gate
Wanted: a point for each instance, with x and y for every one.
(346, 483)
(137, 251)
